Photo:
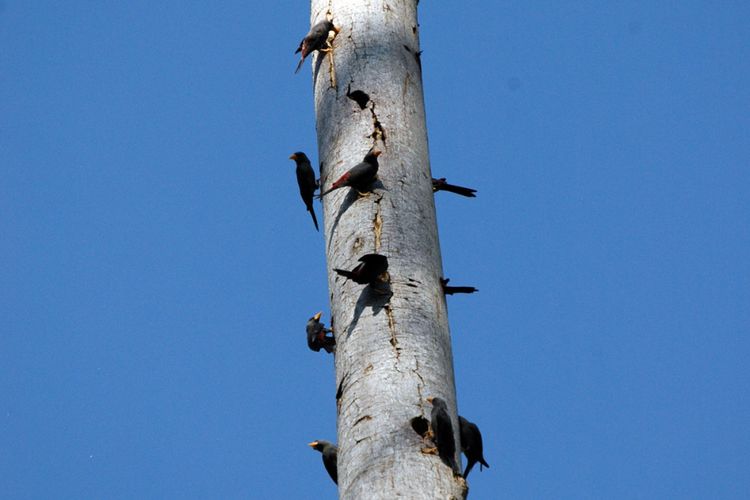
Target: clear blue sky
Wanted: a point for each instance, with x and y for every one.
(151, 326)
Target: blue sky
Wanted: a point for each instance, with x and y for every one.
(151, 325)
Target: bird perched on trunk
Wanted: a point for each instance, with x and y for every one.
(442, 430)
(371, 269)
(450, 290)
(471, 445)
(360, 176)
(442, 185)
(306, 181)
(316, 335)
(315, 39)
(330, 456)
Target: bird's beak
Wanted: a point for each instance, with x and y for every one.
(317, 316)
(313, 444)
(429, 400)
(293, 157)
(377, 153)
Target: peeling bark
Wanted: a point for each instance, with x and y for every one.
(393, 350)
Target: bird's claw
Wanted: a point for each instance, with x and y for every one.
(430, 451)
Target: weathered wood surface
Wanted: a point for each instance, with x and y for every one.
(392, 351)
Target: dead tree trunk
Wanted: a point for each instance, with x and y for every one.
(393, 351)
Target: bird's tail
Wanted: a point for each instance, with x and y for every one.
(483, 463)
(299, 65)
(344, 273)
(450, 290)
(315, 219)
(321, 195)
(463, 191)
(339, 183)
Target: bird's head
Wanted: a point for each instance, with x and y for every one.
(319, 445)
(372, 156)
(436, 402)
(298, 157)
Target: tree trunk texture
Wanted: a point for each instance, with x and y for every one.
(393, 351)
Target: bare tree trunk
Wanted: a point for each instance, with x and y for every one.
(393, 351)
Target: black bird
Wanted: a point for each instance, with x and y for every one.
(442, 185)
(330, 455)
(370, 271)
(471, 445)
(360, 176)
(450, 290)
(316, 335)
(314, 40)
(306, 181)
(442, 430)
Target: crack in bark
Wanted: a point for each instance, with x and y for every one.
(355, 51)
(407, 79)
(332, 69)
(361, 419)
(340, 392)
(378, 132)
(420, 384)
(378, 223)
(392, 327)
(351, 403)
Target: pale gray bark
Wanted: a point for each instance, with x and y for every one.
(392, 352)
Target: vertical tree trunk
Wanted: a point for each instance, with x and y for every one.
(392, 351)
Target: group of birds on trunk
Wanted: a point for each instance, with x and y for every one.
(372, 270)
